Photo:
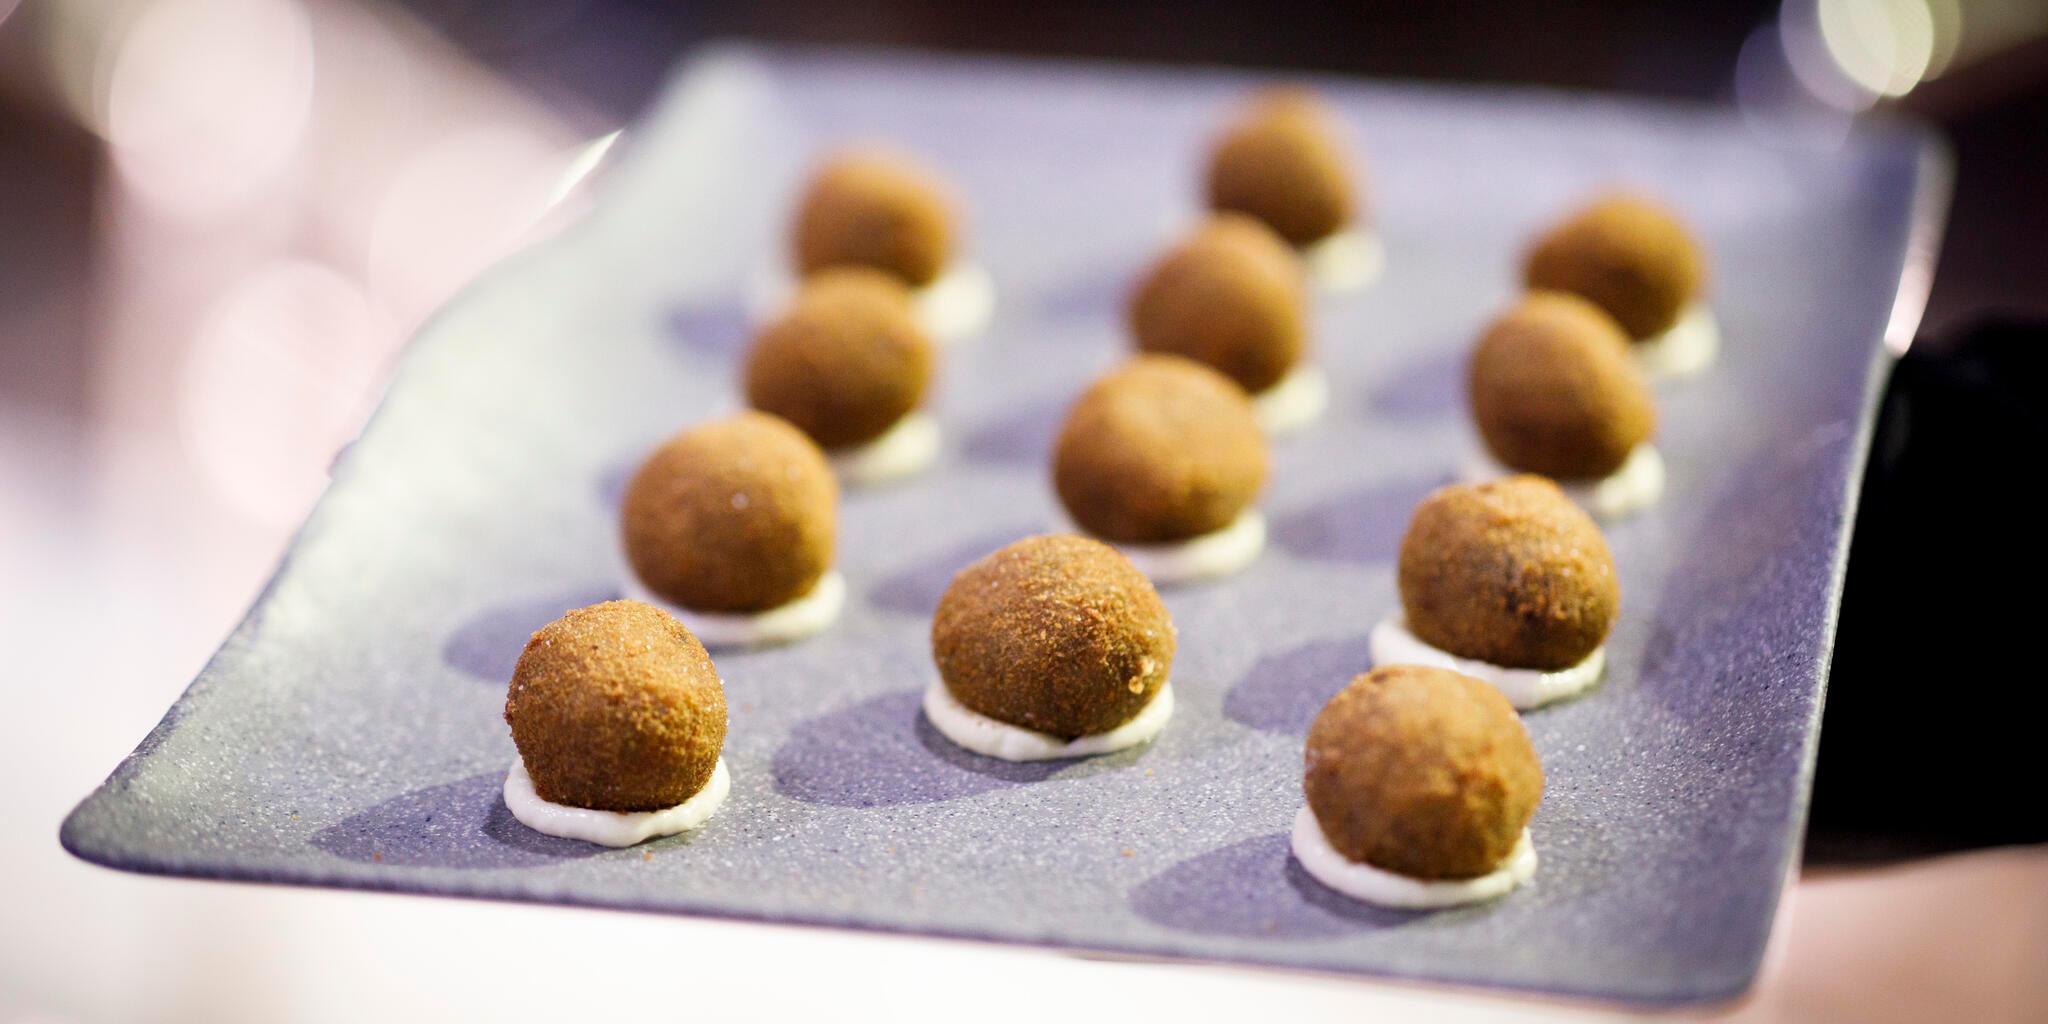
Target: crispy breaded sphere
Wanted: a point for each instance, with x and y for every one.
(1508, 572)
(1555, 391)
(1629, 255)
(845, 362)
(1422, 772)
(1232, 296)
(1281, 161)
(736, 515)
(616, 707)
(1056, 633)
(1160, 449)
(875, 208)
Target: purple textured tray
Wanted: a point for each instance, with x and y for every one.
(348, 733)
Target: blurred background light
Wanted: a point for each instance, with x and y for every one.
(1776, 104)
(1882, 45)
(197, 134)
(280, 367)
(454, 208)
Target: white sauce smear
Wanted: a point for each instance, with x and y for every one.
(794, 621)
(1295, 402)
(958, 305)
(906, 449)
(612, 828)
(1208, 556)
(1362, 881)
(1525, 688)
(1635, 485)
(983, 735)
(1347, 261)
(1688, 347)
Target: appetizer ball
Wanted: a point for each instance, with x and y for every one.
(616, 707)
(1281, 162)
(1161, 449)
(1630, 256)
(1508, 572)
(1231, 296)
(877, 209)
(737, 515)
(1422, 772)
(1555, 392)
(846, 362)
(1058, 634)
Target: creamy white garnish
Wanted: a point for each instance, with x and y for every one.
(1295, 402)
(1346, 261)
(1362, 881)
(1525, 688)
(986, 736)
(612, 828)
(1688, 347)
(1636, 485)
(1208, 556)
(794, 621)
(955, 306)
(958, 305)
(903, 450)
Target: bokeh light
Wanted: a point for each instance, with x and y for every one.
(453, 209)
(206, 101)
(277, 379)
(1882, 45)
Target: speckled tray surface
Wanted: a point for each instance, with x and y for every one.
(349, 732)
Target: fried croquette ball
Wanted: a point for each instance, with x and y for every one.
(1231, 296)
(1509, 572)
(1060, 634)
(875, 208)
(1555, 391)
(1423, 772)
(616, 707)
(1160, 449)
(736, 515)
(1626, 254)
(845, 362)
(1281, 162)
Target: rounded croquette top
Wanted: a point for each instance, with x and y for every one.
(1231, 296)
(616, 707)
(1060, 634)
(1160, 449)
(1281, 162)
(1423, 772)
(1508, 572)
(845, 362)
(1629, 255)
(1555, 391)
(736, 515)
(875, 208)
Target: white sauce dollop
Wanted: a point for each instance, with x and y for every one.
(1346, 261)
(1362, 881)
(1688, 347)
(958, 305)
(612, 828)
(1208, 556)
(983, 735)
(908, 448)
(794, 621)
(1525, 688)
(1295, 402)
(1635, 485)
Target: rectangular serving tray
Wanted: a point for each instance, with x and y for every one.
(349, 734)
